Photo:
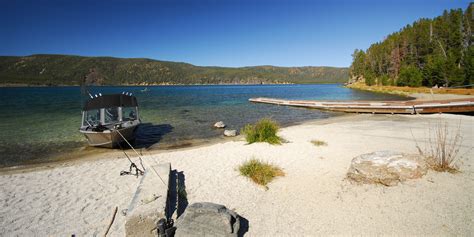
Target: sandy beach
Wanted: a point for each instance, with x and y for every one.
(236, 118)
(314, 198)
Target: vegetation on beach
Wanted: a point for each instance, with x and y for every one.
(443, 147)
(319, 142)
(260, 172)
(72, 70)
(264, 130)
(429, 52)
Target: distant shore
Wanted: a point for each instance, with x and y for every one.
(157, 84)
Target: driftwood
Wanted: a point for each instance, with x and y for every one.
(111, 221)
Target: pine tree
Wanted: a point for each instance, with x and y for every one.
(439, 49)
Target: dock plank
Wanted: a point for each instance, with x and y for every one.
(379, 107)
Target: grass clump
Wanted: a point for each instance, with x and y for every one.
(443, 147)
(319, 143)
(260, 172)
(263, 131)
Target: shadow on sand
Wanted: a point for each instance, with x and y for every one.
(177, 194)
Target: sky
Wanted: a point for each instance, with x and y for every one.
(228, 33)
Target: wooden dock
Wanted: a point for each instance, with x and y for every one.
(380, 107)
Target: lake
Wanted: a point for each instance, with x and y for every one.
(41, 123)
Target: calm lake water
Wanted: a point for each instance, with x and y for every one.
(38, 124)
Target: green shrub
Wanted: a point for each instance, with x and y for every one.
(369, 79)
(260, 172)
(263, 131)
(385, 80)
(410, 76)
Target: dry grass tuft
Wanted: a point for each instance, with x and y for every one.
(319, 142)
(443, 147)
(260, 172)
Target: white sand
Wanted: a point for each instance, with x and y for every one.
(312, 199)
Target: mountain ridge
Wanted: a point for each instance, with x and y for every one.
(57, 69)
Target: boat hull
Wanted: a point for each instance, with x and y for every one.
(110, 138)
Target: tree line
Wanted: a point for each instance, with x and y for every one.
(430, 52)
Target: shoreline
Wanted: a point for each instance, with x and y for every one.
(78, 198)
(79, 156)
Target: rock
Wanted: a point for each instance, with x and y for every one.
(219, 124)
(386, 167)
(230, 133)
(207, 219)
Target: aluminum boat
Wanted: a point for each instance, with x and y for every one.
(107, 120)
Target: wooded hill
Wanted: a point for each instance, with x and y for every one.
(429, 52)
(71, 70)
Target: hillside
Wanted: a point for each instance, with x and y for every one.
(71, 70)
(429, 52)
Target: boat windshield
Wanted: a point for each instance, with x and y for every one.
(111, 115)
(129, 113)
(92, 118)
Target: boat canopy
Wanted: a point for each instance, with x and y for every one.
(109, 101)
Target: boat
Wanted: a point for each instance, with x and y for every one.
(107, 120)
(145, 90)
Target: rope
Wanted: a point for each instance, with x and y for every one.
(132, 164)
(132, 167)
(168, 201)
(169, 221)
(139, 157)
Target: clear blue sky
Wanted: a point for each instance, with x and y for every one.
(220, 32)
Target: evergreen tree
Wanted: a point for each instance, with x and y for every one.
(439, 49)
(469, 66)
(410, 76)
(358, 63)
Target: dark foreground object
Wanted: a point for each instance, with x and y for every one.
(380, 107)
(208, 219)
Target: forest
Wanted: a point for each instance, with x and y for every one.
(430, 52)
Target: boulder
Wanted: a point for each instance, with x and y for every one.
(207, 219)
(219, 124)
(230, 133)
(386, 167)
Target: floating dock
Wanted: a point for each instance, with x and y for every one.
(380, 107)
